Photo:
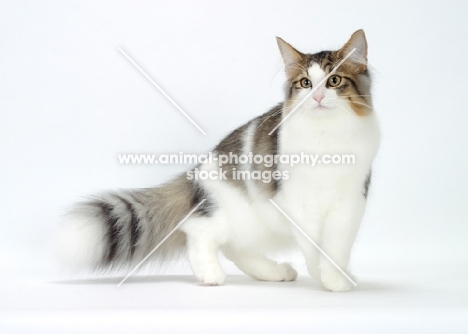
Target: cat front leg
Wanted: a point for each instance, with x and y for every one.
(311, 254)
(312, 228)
(309, 219)
(339, 232)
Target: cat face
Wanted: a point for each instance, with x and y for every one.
(347, 89)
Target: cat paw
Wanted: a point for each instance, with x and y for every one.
(334, 280)
(282, 272)
(212, 277)
(290, 274)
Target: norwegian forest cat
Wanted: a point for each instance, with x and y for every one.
(326, 200)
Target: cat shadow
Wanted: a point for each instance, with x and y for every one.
(231, 280)
(131, 280)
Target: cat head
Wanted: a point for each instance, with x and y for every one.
(347, 89)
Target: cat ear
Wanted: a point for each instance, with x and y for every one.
(291, 57)
(359, 56)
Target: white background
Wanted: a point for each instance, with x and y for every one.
(70, 103)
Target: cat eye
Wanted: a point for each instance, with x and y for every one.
(334, 81)
(305, 83)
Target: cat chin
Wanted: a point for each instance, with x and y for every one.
(323, 112)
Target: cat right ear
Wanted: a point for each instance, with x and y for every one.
(291, 57)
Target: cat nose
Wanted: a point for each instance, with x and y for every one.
(318, 97)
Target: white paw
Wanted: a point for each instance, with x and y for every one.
(282, 272)
(214, 276)
(334, 280)
(290, 274)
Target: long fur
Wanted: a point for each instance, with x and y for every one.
(328, 201)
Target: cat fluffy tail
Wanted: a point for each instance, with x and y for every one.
(120, 228)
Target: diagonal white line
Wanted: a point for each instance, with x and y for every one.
(162, 92)
(313, 90)
(313, 242)
(161, 242)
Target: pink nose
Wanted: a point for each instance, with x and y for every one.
(318, 98)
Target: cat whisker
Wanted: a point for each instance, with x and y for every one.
(357, 102)
(350, 116)
(364, 104)
(258, 127)
(356, 95)
(276, 113)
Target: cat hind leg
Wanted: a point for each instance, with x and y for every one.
(203, 244)
(261, 268)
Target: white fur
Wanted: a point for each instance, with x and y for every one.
(80, 243)
(326, 200)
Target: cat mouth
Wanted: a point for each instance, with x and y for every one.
(320, 107)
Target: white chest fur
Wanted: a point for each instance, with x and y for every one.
(343, 145)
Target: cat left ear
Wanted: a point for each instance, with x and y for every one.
(291, 57)
(359, 56)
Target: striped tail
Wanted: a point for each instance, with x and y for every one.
(120, 228)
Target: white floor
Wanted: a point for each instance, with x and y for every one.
(400, 299)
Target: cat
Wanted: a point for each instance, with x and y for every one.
(327, 201)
